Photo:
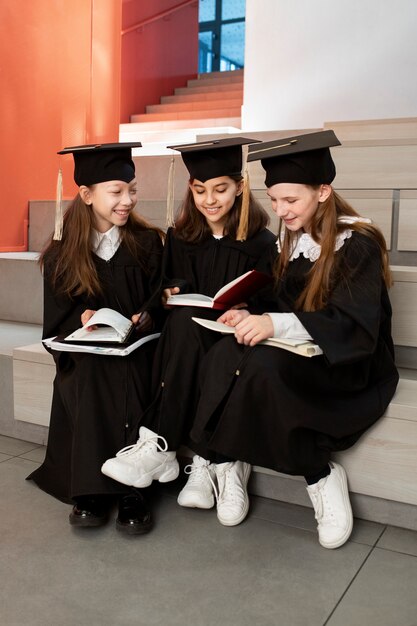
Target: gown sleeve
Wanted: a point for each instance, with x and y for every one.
(172, 264)
(348, 328)
(61, 314)
(154, 255)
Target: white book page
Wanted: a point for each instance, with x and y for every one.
(117, 326)
(309, 348)
(180, 298)
(60, 346)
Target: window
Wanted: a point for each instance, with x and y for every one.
(221, 35)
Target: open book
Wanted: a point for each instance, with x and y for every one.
(235, 292)
(60, 345)
(302, 347)
(112, 327)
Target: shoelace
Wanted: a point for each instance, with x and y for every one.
(226, 489)
(318, 505)
(322, 513)
(194, 470)
(132, 449)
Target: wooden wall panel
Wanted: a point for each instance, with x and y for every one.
(407, 222)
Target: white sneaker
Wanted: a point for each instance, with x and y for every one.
(232, 499)
(145, 461)
(198, 492)
(330, 498)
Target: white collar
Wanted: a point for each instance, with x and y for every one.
(105, 245)
(310, 249)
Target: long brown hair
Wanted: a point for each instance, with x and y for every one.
(192, 226)
(72, 268)
(325, 227)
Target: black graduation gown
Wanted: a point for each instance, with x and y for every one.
(286, 412)
(197, 268)
(97, 400)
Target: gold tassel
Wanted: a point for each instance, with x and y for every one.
(59, 215)
(242, 231)
(170, 194)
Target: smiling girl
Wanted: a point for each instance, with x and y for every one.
(214, 241)
(106, 256)
(279, 410)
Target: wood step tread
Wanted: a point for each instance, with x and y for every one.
(190, 96)
(208, 75)
(232, 124)
(204, 105)
(187, 115)
(228, 80)
(207, 89)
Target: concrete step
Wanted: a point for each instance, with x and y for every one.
(17, 334)
(195, 105)
(191, 96)
(226, 112)
(20, 287)
(12, 335)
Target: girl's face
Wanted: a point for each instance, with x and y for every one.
(111, 202)
(214, 199)
(296, 204)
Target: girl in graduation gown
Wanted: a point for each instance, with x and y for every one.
(214, 241)
(107, 257)
(280, 410)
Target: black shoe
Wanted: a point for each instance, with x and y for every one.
(134, 515)
(89, 512)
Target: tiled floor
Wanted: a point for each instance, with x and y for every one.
(269, 571)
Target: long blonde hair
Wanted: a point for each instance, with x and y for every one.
(325, 227)
(71, 267)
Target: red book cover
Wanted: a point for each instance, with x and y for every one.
(235, 292)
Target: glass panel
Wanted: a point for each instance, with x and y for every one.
(233, 45)
(206, 10)
(232, 9)
(205, 54)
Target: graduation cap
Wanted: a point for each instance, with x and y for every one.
(96, 163)
(99, 163)
(303, 159)
(212, 159)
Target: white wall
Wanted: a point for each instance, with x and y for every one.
(313, 61)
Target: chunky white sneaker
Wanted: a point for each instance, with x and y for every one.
(145, 461)
(232, 499)
(198, 492)
(330, 498)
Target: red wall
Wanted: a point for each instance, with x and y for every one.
(60, 86)
(160, 56)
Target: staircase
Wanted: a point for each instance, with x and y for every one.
(210, 103)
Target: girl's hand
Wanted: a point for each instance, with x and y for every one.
(166, 293)
(142, 321)
(232, 317)
(88, 314)
(253, 329)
